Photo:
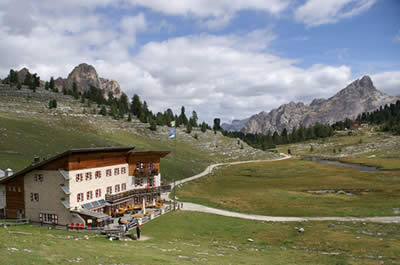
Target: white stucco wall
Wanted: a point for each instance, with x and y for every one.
(102, 183)
(93, 184)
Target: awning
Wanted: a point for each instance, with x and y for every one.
(95, 204)
(91, 213)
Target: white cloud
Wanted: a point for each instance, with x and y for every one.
(206, 8)
(212, 14)
(318, 12)
(388, 82)
(232, 75)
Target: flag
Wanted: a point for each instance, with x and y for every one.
(171, 134)
(172, 123)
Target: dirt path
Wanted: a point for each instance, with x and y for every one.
(187, 206)
(210, 168)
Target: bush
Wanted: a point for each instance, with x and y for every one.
(52, 104)
(196, 136)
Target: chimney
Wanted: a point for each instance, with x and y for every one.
(8, 172)
(36, 160)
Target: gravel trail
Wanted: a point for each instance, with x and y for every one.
(187, 206)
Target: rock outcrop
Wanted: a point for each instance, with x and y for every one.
(359, 96)
(85, 76)
(236, 125)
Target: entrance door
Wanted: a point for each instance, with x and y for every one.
(20, 214)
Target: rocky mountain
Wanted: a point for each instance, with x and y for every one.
(236, 125)
(359, 96)
(85, 76)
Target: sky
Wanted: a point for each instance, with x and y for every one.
(223, 58)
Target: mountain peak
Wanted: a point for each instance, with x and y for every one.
(85, 76)
(358, 97)
(366, 81)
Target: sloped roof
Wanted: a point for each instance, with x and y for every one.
(67, 153)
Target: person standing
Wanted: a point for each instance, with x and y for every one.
(138, 230)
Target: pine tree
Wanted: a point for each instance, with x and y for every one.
(51, 84)
(103, 111)
(217, 125)
(189, 128)
(203, 127)
(193, 119)
(182, 118)
(153, 125)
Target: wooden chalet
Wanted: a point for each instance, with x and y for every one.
(83, 184)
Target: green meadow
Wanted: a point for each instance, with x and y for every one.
(197, 238)
(282, 189)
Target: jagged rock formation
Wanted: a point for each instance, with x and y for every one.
(236, 125)
(360, 96)
(21, 74)
(85, 76)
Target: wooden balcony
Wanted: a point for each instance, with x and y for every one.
(146, 172)
(137, 192)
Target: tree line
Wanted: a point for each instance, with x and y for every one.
(270, 140)
(32, 81)
(388, 117)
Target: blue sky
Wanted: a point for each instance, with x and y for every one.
(227, 59)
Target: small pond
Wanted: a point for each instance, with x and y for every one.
(338, 163)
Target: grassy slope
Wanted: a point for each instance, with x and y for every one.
(28, 128)
(366, 146)
(279, 189)
(197, 238)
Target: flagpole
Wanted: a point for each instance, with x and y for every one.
(175, 171)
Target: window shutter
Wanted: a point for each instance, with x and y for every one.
(55, 219)
(41, 217)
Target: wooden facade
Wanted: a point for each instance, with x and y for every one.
(15, 198)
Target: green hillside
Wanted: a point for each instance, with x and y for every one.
(28, 128)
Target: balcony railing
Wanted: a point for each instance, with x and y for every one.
(132, 193)
(146, 172)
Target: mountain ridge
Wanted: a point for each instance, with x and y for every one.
(357, 97)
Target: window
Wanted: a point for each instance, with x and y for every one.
(151, 165)
(116, 171)
(38, 177)
(123, 186)
(48, 218)
(79, 177)
(117, 189)
(139, 165)
(109, 190)
(98, 193)
(98, 174)
(123, 170)
(150, 182)
(88, 175)
(14, 190)
(34, 197)
(19, 189)
(108, 172)
(79, 197)
(138, 182)
(89, 195)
